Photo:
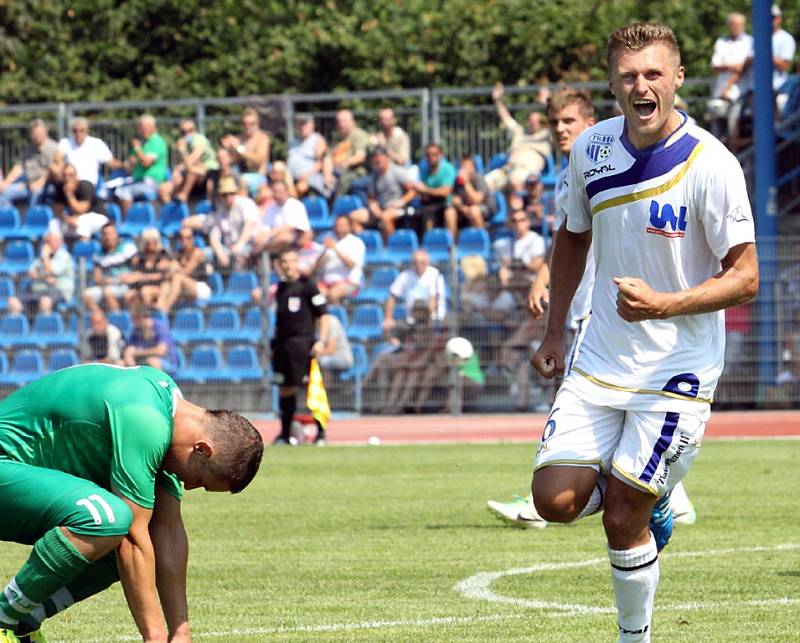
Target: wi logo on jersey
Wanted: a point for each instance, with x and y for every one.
(599, 147)
(664, 222)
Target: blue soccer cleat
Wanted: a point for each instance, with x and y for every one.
(661, 521)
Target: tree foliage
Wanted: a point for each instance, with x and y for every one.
(69, 50)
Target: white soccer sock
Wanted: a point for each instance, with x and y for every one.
(635, 576)
(597, 498)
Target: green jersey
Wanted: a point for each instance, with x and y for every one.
(153, 146)
(107, 424)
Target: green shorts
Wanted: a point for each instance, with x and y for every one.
(33, 500)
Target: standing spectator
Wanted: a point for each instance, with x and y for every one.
(300, 312)
(149, 268)
(86, 153)
(283, 224)
(530, 148)
(112, 268)
(306, 159)
(434, 188)
(341, 265)
(27, 178)
(336, 353)
(350, 151)
(421, 284)
(389, 193)
(198, 164)
(249, 152)
(520, 257)
(187, 274)
(150, 343)
(392, 138)
(783, 48)
(52, 277)
(233, 226)
(104, 341)
(147, 163)
(472, 202)
(76, 204)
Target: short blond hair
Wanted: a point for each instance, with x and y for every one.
(638, 36)
(566, 96)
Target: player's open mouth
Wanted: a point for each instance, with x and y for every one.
(644, 107)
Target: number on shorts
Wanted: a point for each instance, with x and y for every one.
(88, 503)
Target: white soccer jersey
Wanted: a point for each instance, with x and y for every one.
(581, 304)
(667, 214)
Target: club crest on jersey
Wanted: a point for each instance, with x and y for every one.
(664, 221)
(293, 304)
(599, 147)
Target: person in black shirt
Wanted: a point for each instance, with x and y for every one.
(300, 313)
(77, 205)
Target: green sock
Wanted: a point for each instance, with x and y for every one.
(53, 562)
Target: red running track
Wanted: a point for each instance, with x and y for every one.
(519, 428)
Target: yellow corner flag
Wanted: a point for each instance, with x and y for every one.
(316, 396)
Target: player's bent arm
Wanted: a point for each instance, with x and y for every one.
(137, 572)
(566, 269)
(171, 548)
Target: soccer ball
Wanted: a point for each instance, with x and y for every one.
(458, 351)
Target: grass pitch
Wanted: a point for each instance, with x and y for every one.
(368, 543)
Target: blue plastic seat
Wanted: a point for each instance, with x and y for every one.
(141, 215)
(14, 331)
(549, 173)
(114, 213)
(18, 257)
(172, 216)
(188, 326)
(374, 244)
(243, 364)
(3, 363)
(400, 246)
(497, 161)
(205, 365)
(499, 217)
(85, 249)
(7, 289)
(203, 206)
(367, 323)
(48, 331)
(223, 325)
(26, 366)
(239, 289)
(9, 222)
(360, 365)
(252, 330)
(62, 358)
(474, 241)
(122, 320)
(437, 242)
(37, 220)
(319, 216)
(346, 204)
(378, 289)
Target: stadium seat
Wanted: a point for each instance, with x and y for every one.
(37, 220)
(85, 249)
(63, 358)
(205, 365)
(346, 204)
(223, 325)
(319, 216)
(114, 213)
(474, 241)
(3, 363)
(340, 313)
(549, 173)
(122, 320)
(367, 323)
(9, 222)
(497, 161)
(14, 331)
(172, 215)
(188, 326)
(438, 242)
(141, 215)
(360, 365)
(239, 289)
(378, 289)
(400, 247)
(7, 290)
(203, 206)
(374, 243)
(18, 257)
(252, 330)
(26, 366)
(499, 218)
(243, 364)
(48, 332)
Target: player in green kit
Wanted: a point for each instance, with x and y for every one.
(91, 464)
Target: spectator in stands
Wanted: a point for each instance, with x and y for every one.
(283, 223)
(86, 153)
(392, 138)
(530, 148)
(482, 297)
(150, 343)
(783, 49)
(473, 204)
(434, 189)
(52, 277)
(104, 341)
(27, 178)
(306, 159)
(249, 152)
(521, 257)
(349, 151)
(421, 283)
(187, 274)
(340, 267)
(730, 64)
(76, 205)
(149, 269)
(335, 353)
(389, 193)
(233, 226)
(112, 270)
(515, 356)
(279, 172)
(147, 164)
(197, 166)
(264, 198)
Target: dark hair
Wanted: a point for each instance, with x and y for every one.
(639, 35)
(238, 447)
(566, 96)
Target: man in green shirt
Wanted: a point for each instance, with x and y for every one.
(91, 464)
(147, 164)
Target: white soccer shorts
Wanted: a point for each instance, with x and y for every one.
(649, 450)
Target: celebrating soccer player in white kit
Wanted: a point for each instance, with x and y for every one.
(667, 208)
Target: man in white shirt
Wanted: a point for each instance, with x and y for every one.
(420, 283)
(233, 225)
(341, 265)
(730, 63)
(86, 153)
(666, 206)
(283, 223)
(525, 252)
(783, 49)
